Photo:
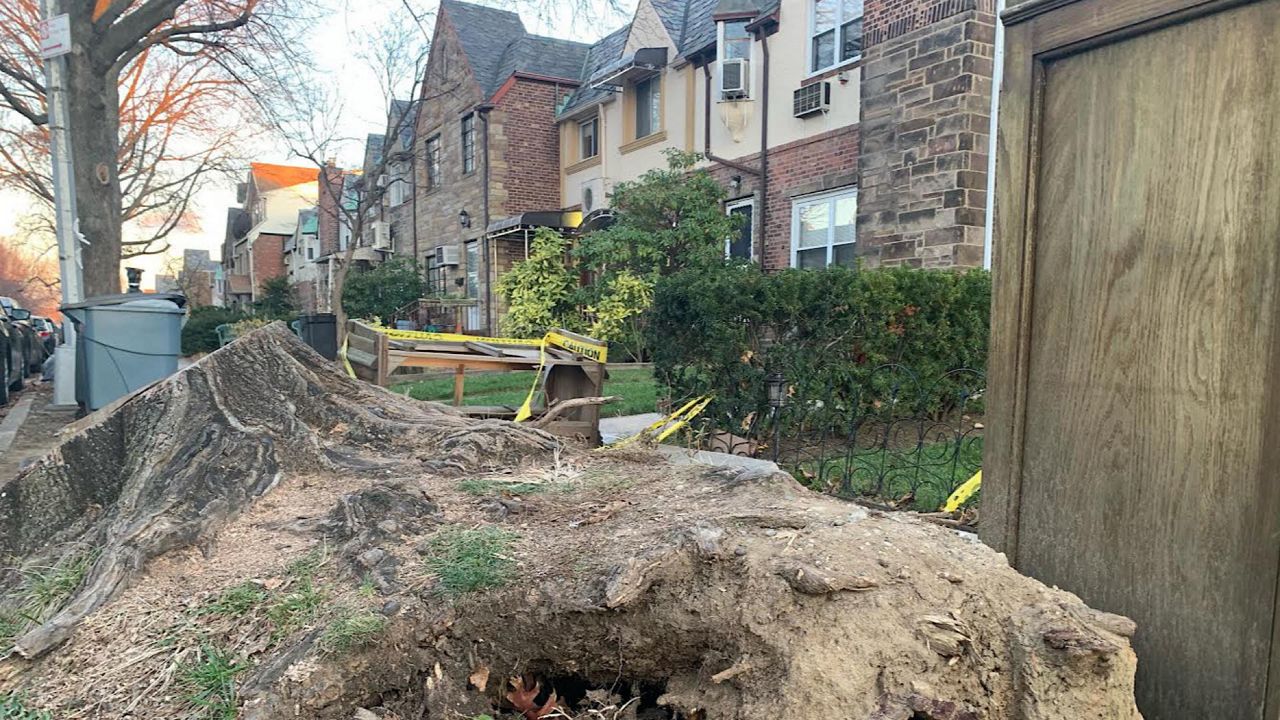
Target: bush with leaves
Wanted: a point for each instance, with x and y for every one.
(540, 289)
(200, 335)
(276, 300)
(830, 332)
(377, 293)
(669, 220)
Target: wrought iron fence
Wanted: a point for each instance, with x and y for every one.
(887, 437)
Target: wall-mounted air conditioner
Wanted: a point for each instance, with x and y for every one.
(811, 99)
(381, 236)
(447, 255)
(735, 78)
(593, 195)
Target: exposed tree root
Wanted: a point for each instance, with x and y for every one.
(351, 563)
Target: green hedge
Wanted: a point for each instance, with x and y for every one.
(830, 332)
(199, 334)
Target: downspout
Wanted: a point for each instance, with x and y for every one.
(997, 77)
(483, 112)
(764, 148)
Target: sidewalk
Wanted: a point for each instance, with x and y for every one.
(30, 429)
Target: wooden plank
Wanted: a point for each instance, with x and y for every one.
(1099, 21)
(363, 344)
(383, 360)
(485, 349)
(459, 381)
(361, 358)
(1010, 294)
(1149, 479)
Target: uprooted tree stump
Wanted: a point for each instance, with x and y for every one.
(323, 548)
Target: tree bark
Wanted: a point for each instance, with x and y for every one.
(93, 104)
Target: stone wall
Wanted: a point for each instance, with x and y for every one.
(926, 100)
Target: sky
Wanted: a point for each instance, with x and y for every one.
(346, 25)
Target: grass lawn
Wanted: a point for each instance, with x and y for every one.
(636, 390)
(930, 474)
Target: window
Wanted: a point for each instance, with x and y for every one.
(734, 55)
(311, 253)
(469, 143)
(397, 185)
(739, 246)
(473, 269)
(824, 230)
(433, 161)
(648, 106)
(835, 33)
(589, 132)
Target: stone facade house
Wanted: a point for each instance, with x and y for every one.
(486, 145)
(867, 144)
(253, 249)
(392, 180)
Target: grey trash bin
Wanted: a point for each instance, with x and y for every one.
(124, 342)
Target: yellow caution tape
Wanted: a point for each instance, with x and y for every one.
(345, 362)
(665, 427)
(589, 348)
(963, 493)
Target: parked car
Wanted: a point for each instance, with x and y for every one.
(47, 331)
(11, 358)
(32, 348)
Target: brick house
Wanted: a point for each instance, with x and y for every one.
(874, 135)
(486, 145)
(253, 249)
(338, 198)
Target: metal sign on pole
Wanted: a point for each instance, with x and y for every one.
(55, 44)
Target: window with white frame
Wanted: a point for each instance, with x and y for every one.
(835, 33)
(739, 246)
(734, 60)
(589, 135)
(648, 106)
(824, 229)
(397, 185)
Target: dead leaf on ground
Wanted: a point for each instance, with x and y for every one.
(479, 678)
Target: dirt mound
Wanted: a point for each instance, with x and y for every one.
(262, 537)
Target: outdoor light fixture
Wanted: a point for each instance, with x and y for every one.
(777, 385)
(735, 183)
(134, 277)
(464, 219)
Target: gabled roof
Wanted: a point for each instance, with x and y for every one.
(608, 50)
(496, 46)
(404, 114)
(267, 177)
(373, 146)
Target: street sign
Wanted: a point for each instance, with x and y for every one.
(55, 36)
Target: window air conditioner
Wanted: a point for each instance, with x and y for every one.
(734, 78)
(446, 255)
(810, 99)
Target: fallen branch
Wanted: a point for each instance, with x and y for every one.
(560, 408)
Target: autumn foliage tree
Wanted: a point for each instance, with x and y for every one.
(29, 277)
(153, 88)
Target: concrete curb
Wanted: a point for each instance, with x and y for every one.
(13, 422)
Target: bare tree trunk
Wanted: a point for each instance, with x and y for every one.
(93, 102)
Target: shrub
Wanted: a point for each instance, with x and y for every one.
(830, 332)
(199, 334)
(379, 292)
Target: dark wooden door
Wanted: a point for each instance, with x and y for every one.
(1144, 432)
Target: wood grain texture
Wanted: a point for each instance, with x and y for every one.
(1147, 323)
(1014, 149)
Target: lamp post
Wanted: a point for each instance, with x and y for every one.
(464, 219)
(776, 384)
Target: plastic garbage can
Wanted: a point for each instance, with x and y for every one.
(320, 331)
(125, 342)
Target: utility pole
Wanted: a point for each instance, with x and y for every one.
(55, 43)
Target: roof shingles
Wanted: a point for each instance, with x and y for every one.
(497, 46)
